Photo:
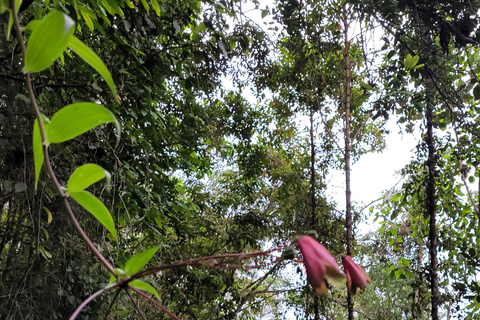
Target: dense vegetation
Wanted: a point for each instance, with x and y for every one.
(233, 116)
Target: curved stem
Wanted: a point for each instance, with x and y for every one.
(87, 301)
(202, 262)
(48, 165)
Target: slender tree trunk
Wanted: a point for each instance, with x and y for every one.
(430, 203)
(313, 202)
(314, 218)
(348, 193)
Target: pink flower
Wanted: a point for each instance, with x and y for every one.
(356, 276)
(320, 265)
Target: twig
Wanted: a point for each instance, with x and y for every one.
(140, 314)
(361, 126)
(329, 132)
(256, 284)
(111, 303)
(87, 301)
(170, 313)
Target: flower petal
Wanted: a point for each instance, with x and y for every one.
(356, 276)
(320, 265)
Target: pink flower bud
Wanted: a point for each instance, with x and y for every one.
(320, 265)
(356, 276)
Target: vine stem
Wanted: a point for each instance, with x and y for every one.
(87, 301)
(198, 262)
(48, 165)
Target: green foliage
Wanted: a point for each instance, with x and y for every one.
(96, 208)
(138, 261)
(75, 119)
(48, 40)
(85, 176)
(138, 284)
(92, 59)
(202, 170)
(37, 150)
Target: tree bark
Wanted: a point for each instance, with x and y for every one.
(348, 193)
(431, 201)
(313, 202)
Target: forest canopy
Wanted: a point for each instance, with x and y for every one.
(173, 159)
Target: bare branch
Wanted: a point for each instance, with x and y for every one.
(170, 313)
(111, 303)
(87, 301)
(140, 314)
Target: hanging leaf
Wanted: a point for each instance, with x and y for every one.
(93, 60)
(85, 176)
(139, 284)
(75, 119)
(37, 151)
(145, 5)
(38, 147)
(138, 261)
(49, 215)
(48, 40)
(97, 209)
(476, 92)
(156, 7)
(18, 3)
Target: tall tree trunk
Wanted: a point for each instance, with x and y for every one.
(313, 201)
(430, 202)
(348, 193)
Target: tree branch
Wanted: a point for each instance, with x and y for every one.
(170, 313)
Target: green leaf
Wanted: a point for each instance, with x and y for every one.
(139, 284)
(410, 61)
(85, 176)
(49, 215)
(145, 5)
(476, 92)
(75, 119)
(365, 85)
(4, 6)
(93, 60)
(31, 26)
(138, 261)
(37, 151)
(156, 7)
(97, 209)
(415, 60)
(18, 3)
(48, 40)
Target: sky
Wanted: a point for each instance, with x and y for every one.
(375, 173)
